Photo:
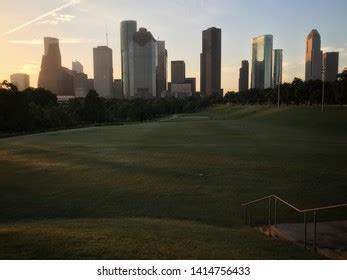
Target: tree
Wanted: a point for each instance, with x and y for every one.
(94, 108)
(340, 89)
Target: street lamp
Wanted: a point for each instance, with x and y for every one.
(323, 89)
(278, 92)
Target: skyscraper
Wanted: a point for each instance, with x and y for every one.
(117, 89)
(211, 62)
(128, 30)
(145, 64)
(161, 68)
(50, 66)
(53, 76)
(178, 72)
(103, 71)
(80, 83)
(313, 56)
(262, 62)
(244, 76)
(77, 66)
(21, 81)
(331, 65)
(277, 67)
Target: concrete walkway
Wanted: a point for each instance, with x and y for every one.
(331, 236)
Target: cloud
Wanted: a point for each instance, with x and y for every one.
(58, 18)
(62, 41)
(29, 67)
(332, 49)
(41, 17)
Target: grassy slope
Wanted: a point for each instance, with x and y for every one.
(138, 182)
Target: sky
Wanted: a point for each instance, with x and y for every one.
(81, 25)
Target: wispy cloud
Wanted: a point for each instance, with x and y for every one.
(61, 40)
(29, 67)
(332, 49)
(57, 18)
(41, 17)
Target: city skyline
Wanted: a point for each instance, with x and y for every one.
(80, 31)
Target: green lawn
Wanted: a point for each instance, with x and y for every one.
(135, 192)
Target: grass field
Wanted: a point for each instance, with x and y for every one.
(136, 191)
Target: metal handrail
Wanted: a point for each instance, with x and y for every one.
(300, 211)
(293, 207)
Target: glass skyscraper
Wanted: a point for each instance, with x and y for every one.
(314, 56)
(277, 67)
(162, 55)
(262, 62)
(331, 65)
(103, 71)
(128, 30)
(211, 62)
(145, 64)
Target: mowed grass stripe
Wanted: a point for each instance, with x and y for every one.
(194, 171)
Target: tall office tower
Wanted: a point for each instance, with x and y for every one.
(77, 66)
(244, 76)
(53, 76)
(145, 64)
(331, 65)
(66, 82)
(103, 71)
(178, 72)
(262, 62)
(127, 31)
(90, 85)
(161, 68)
(277, 68)
(80, 83)
(50, 66)
(313, 56)
(211, 62)
(117, 89)
(21, 81)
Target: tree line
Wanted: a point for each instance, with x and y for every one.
(298, 92)
(39, 110)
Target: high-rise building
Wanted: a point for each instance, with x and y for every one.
(211, 62)
(262, 47)
(313, 56)
(53, 76)
(103, 71)
(127, 30)
(90, 85)
(277, 67)
(80, 83)
(66, 83)
(192, 82)
(145, 64)
(161, 68)
(21, 81)
(244, 76)
(118, 89)
(77, 66)
(331, 65)
(181, 90)
(50, 66)
(178, 72)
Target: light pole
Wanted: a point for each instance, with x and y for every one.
(278, 93)
(323, 89)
